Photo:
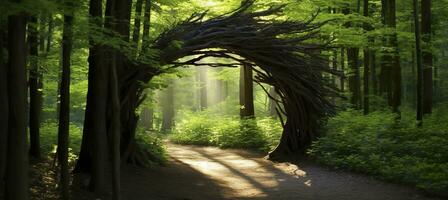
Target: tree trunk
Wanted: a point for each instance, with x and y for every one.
(64, 110)
(96, 115)
(168, 109)
(367, 62)
(136, 31)
(203, 88)
(391, 69)
(115, 131)
(420, 71)
(354, 82)
(146, 25)
(272, 104)
(147, 118)
(3, 106)
(427, 56)
(17, 157)
(343, 70)
(35, 92)
(246, 92)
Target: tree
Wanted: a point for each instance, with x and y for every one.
(98, 92)
(354, 82)
(168, 108)
(246, 92)
(3, 102)
(64, 109)
(367, 62)
(17, 157)
(390, 68)
(427, 55)
(420, 73)
(35, 90)
(202, 78)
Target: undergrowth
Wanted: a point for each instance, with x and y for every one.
(201, 129)
(390, 148)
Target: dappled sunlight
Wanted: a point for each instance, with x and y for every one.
(245, 177)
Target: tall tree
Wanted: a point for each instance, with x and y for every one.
(391, 69)
(427, 56)
(420, 73)
(354, 82)
(3, 102)
(64, 109)
(35, 91)
(17, 157)
(115, 131)
(98, 92)
(202, 72)
(168, 108)
(367, 61)
(246, 92)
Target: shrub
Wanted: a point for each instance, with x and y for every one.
(227, 132)
(392, 149)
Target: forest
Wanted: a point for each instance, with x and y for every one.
(223, 99)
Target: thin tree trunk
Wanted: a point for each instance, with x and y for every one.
(354, 82)
(427, 56)
(246, 92)
(35, 93)
(419, 65)
(64, 110)
(367, 63)
(343, 69)
(272, 104)
(203, 87)
(146, 25)
(17, 157)
(3, 107)
(168, 109)
(137, 17)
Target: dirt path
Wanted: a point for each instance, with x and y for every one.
(207, 173)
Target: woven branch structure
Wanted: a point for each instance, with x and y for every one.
(285, 54)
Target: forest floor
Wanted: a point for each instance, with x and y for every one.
(209, 173)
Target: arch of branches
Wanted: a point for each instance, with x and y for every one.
(281, 52)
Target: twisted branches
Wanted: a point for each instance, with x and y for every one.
(286, 52)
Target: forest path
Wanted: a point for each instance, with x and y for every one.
(208, 173)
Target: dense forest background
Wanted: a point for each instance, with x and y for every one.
(389, 59)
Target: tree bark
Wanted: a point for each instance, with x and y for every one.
(115, 131)
(3, 106)
(137, 17)
(35, 91)
(427, 56)
(420, 70)
(17, 157)
(367, 63)
(64, 110)
(354, 82)
(168, 108)
(203, 88)
(391, 69)
(98, 93)
(272, 104)
(246, 92)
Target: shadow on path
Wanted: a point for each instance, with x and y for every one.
(208, 173)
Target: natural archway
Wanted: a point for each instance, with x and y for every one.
(285, 54)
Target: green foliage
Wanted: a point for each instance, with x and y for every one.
(153, 144)
(226, 132)
(392, 149)
(49, 139)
